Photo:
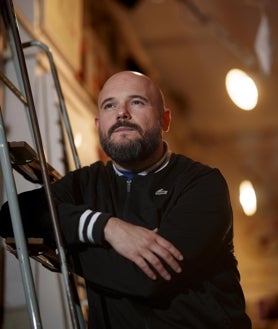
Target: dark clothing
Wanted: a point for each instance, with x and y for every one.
(189, 204)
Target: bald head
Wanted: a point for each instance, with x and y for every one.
(130, 79)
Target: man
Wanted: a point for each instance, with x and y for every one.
(150, 231)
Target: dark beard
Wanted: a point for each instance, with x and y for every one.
(130, 151)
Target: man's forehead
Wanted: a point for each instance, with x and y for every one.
(123, 88)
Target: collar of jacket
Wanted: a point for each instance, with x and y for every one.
(159, 165)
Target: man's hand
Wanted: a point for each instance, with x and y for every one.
(142, 246)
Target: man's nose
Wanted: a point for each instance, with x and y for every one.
(123, 113)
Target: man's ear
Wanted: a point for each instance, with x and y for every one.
(166, 120)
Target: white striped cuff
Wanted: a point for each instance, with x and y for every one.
(86, 226)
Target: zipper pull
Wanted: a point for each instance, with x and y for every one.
(128, 185)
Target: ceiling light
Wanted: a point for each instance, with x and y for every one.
(247, 198)
(242, 89)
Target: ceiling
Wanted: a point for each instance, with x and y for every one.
(188, 46)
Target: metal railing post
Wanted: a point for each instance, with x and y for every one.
(22, 253)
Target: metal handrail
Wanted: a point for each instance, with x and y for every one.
(62, 104)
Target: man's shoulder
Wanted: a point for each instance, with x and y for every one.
(186, 163)
(96, 169)
(96, 166)
(101, 165)
(188, 169)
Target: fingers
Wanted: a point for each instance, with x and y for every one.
(167, 257)
(144, 266)
(150, 258)
(156, 254)
(168, 246)
(147, 249)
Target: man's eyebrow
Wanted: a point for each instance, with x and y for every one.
(140, 97)
(109, 99)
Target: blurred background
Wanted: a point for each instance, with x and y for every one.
(188, 47)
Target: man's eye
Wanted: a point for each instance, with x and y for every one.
(137, 102)
(109, 106)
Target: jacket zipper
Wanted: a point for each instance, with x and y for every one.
(128, 188)
(128, 185)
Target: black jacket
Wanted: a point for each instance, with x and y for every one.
(190, 204)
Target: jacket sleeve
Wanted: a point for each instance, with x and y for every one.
(34, 215)
(70, 206)
(201, 222)
(75, 208)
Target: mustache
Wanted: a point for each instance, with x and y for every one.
(124, 124)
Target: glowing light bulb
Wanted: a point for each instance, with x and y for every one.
(247, 198)
(242, 89)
